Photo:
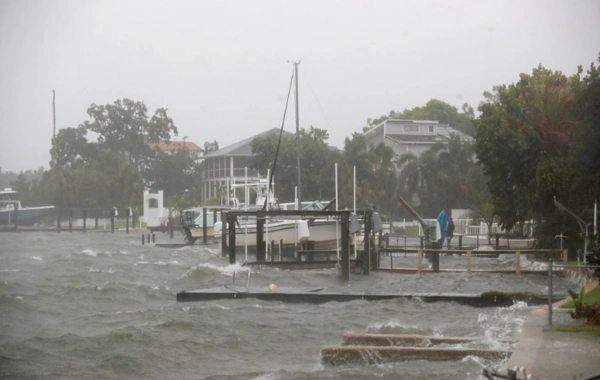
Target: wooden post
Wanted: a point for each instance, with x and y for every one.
(231, 222)
(366, 259)
(345, 254)
(518, 262)
(224, 219)
(171, 226)
(58, 222)
(422, 245)
(127, 221)
(419, 260)
(469, 261)
(497, 241)
(144, 238)
(204, 227)
(435, 259)
(565, 256)
(112, 221)
(16, 216)
(96, 224)
(272, 250)
(70, 220)
(84, 220)
(153, 238)
(281, 250)
(459, 241)
(260, 240)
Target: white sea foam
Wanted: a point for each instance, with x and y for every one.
(90, 252)
(172, 262)
(141, 263)
(9, 270)
(36, 258)
(227, 270)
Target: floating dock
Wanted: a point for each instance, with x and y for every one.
(318, 296)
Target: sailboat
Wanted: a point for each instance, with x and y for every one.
(287, 233)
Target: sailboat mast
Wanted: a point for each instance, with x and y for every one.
(298, 135)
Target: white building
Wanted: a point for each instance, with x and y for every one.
(412, 136)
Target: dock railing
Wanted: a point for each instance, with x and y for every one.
(435, 256)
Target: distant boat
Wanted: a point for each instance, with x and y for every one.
(26, 216)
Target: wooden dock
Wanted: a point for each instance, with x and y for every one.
(385, 348)
(317, 296)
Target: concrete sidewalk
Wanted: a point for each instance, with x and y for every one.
(555, 355)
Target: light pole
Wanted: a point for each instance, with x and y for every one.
(561, 236)
(582, 224)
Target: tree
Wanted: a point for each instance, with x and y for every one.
(211, 146)
(108, 172)
(316, 164)
(376, 178)
(523, 138)
(124, 128)
(178, 174)
(437, 179)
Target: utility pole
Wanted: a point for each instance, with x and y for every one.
(298, 135)
(53, 115)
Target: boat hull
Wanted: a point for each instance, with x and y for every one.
(323, 233)
(27, 215)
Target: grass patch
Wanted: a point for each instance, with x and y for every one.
(586, 330)
(589, 298)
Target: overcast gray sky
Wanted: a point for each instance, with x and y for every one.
(221, 67)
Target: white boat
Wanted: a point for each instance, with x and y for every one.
(287, 232)
(26, 215)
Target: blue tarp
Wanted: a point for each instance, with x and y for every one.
(443, 221)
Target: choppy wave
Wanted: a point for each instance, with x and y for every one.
(103, 306)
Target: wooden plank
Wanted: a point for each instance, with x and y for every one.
(374, 354)
(352, 339)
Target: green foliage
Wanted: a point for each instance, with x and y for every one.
(588, 308)
(111, 171)
(440, 178)
(530, 141)
(124, 128)
(376, 177)
(317, 161)
(586, 330)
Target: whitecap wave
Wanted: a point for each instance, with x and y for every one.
(90, 252)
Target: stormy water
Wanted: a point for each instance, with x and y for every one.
(102, 306)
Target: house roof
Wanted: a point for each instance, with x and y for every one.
(443, 131)
(244, 147)
(174, 145)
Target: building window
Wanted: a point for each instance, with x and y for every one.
(411, 128)
(431, 128)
